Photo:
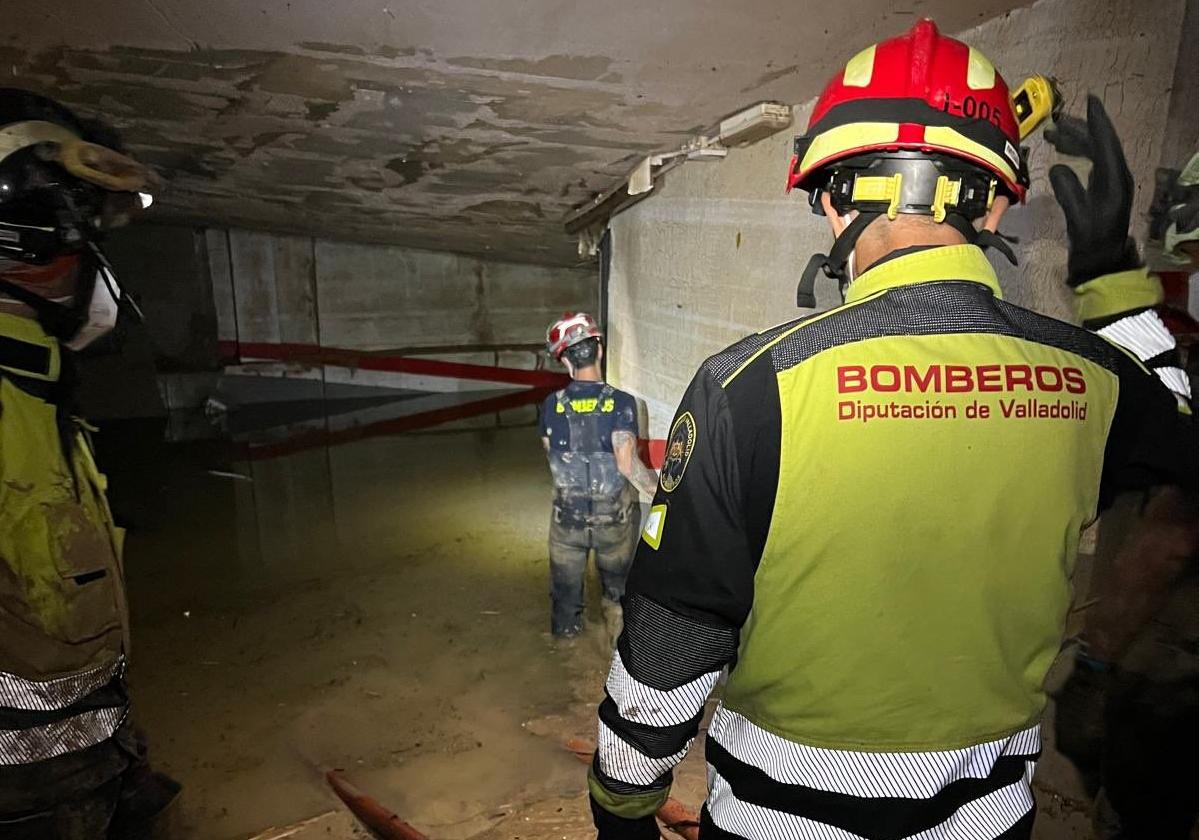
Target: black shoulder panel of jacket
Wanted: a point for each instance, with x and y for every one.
(717, 491)
(753, 399)
(1151, 441)
(936, 308)
(728, 361)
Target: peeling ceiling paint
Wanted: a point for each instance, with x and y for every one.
(454, 125)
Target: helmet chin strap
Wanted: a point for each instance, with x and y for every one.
(835, 264)
(59, 320)
(983, 238)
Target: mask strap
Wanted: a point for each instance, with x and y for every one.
(982, 238)
(834, 262)
(108, 277)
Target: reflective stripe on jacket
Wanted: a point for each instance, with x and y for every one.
(63, 616)
(871, 516)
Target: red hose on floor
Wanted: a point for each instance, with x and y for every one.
(680, 819)
(674, 815)
(374, 816)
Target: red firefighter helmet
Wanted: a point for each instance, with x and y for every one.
(920, 92)
(569, 330)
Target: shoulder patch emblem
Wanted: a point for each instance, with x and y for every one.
(679, 447)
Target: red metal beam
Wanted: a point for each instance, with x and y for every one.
(652, 451)
(316, 438)
(314, 355)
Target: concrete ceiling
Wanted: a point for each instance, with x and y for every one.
(456, 125)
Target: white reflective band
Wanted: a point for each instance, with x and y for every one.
(50, 695)
(638, 703)
(620, 760)
(1144, 334)
(746, 820)
(909, 775)
(987, 816)
(1176, 379)
(26, 746)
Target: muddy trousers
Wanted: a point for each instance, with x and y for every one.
(570, 544)
(1150, 775)
(104, 792)
(69, 797)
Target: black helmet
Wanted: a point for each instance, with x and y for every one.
(62, 180)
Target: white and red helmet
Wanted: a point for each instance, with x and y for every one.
(571, 329)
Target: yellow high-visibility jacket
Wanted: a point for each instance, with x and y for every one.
(870, 517)
(63, 615)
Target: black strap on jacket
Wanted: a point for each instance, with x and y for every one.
(23, 363)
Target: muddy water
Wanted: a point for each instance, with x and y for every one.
(378, 606)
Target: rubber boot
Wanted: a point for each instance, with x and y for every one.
(144, 797)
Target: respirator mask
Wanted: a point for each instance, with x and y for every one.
(77, 319)
(59, 195)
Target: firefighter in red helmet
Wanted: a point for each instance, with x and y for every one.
(589, 430)
(874, 511)
(920, 126)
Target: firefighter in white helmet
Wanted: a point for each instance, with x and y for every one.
(589, 430)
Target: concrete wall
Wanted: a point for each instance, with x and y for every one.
(166, 269)
(1182, 127)
(203, 291)
(716, 251)
(272, 289)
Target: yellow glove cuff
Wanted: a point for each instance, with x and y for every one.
(1112, 294)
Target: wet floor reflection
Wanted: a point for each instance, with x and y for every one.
(279, 496)
(373, 600)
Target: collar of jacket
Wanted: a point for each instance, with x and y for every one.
(26, 350)
(948, 262)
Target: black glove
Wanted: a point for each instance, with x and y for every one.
(612, 827)
(1097, 217)
(1079, 722)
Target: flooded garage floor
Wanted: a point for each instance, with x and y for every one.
(379, 606)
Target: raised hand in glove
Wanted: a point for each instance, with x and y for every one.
(1080, 720)
(1097, 216)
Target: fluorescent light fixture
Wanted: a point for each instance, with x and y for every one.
(754, 123)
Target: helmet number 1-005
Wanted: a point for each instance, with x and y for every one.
(972, 108)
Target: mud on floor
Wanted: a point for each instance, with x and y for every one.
(379, 607)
